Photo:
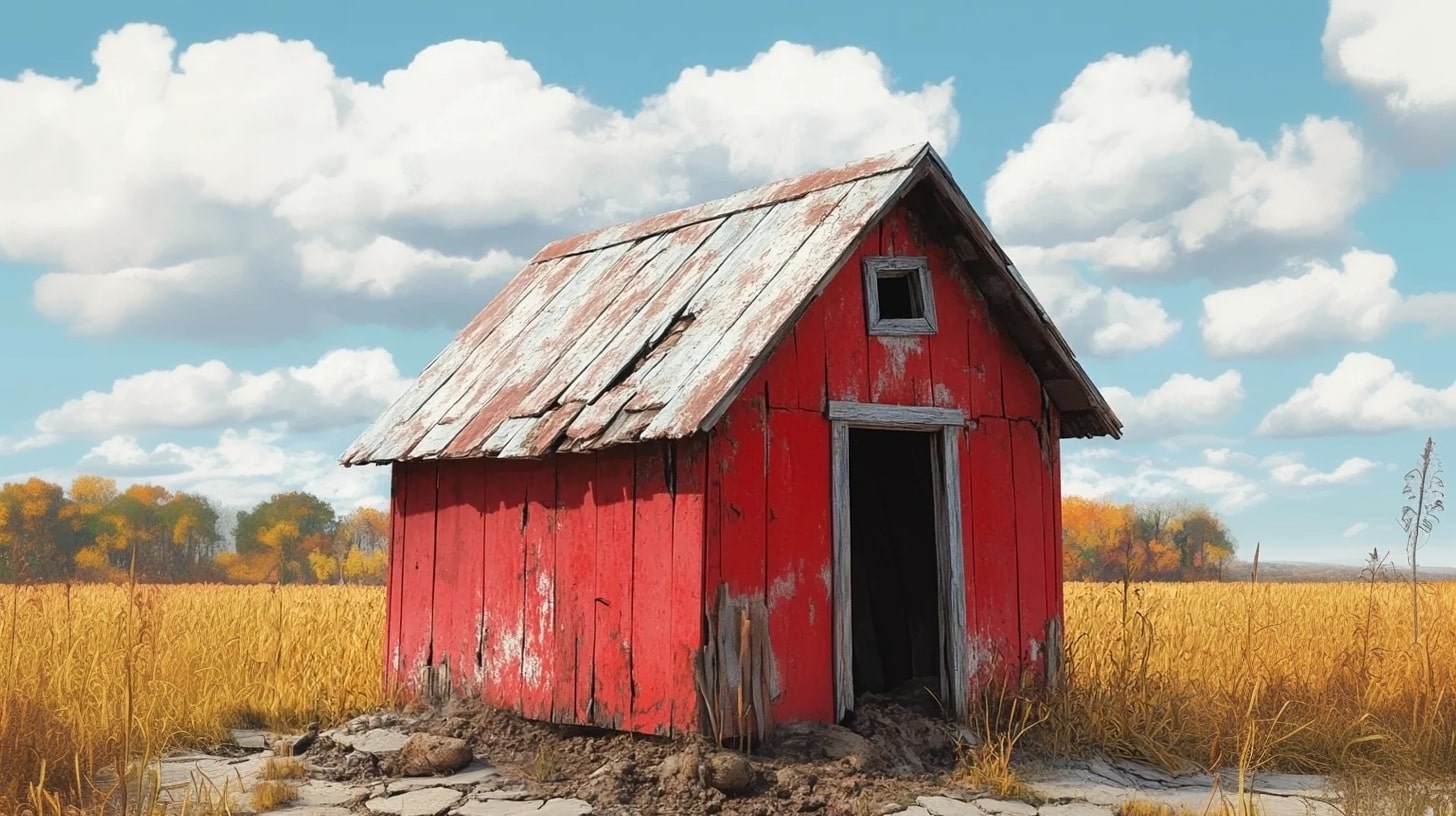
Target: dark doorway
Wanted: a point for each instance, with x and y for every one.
(894, 571)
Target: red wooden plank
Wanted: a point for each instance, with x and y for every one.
(611, 692)
(502, 582)
(446, 592)
(846, 361)
(686, 592)
(950, 362)
(1020, 388)
(458, 546)
(538, 660)
(810, 353)
(394, 595)
(419, 570)
(744, 500)
(717, 465)
(993, 520)
(1054, 499)
(1027, 476)
(576, 553)
(984, 350)
(782, 373)
(799, 557)
(745, 492)
(652, 667)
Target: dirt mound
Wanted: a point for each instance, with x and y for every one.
(889, 750)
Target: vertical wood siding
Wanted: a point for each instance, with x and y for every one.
(768, 496)
(569, 589)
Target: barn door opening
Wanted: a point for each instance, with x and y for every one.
(894, 571)
(899, 578)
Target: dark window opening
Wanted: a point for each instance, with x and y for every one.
(898, 298)
(894, 574)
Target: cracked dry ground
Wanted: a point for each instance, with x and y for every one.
(894, 758)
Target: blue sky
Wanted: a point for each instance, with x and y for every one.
(225, 251)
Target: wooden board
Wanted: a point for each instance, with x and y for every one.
(611, 699)
(846, 362)
(686, 590)
(744, 497)
(394, 594)
(1028, 476)
(993, 524)
(503, 574)
(652, 669)
(782, 375)
(950, 362)
(458, 546)
(538, 659)
(418, 582)
(798, 567)
(576, 554)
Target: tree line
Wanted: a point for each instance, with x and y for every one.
(94, 531)
(1146, 541)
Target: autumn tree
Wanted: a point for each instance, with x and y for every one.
(36, 542)
(1105, 540)
(276, 538)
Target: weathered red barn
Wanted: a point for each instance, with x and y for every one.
(736, 464)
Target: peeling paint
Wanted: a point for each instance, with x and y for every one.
(783, 587)
(944, 396)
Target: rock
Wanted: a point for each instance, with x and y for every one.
(428, 755)
(1005, 807)
(374, 741)
(1075, 809)
(536, 807)
(467, 778)
(946, 806)
(842, 743)
(513, 795)
(426, 802)
(727, 772)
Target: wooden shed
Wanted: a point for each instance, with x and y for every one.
(737, 464)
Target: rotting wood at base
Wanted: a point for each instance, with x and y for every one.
(732, 670)
(1054, 666)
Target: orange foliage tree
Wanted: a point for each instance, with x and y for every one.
(1104, 541)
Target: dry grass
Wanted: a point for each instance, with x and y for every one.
(283, 768)
(96, 674)
(1296, 677)
(273, 793)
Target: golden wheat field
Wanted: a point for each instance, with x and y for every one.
(1293, 676)
(92, 672)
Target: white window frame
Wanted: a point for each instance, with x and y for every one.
(916, 269)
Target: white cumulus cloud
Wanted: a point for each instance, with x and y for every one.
(242, 469)
(1299, 312)
(1181, 403)
(344, 386)
(1323, 305)
(1291, 471)
(1401, 55)
(1106, 322)
(1355, 529)
(1363, 394)
(1144, 479)
(1128, 177)
(241, 187)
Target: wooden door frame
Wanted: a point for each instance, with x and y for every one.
(944, 424)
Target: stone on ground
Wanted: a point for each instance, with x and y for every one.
(535, 807)
(1005, 807)
(946, 806)
(431, 755)
(1075, 809)
(729, 773)
(423, 802)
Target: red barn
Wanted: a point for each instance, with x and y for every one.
(736, 464)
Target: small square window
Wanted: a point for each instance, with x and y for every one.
(898, 297)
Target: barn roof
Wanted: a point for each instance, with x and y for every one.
(650, 329)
